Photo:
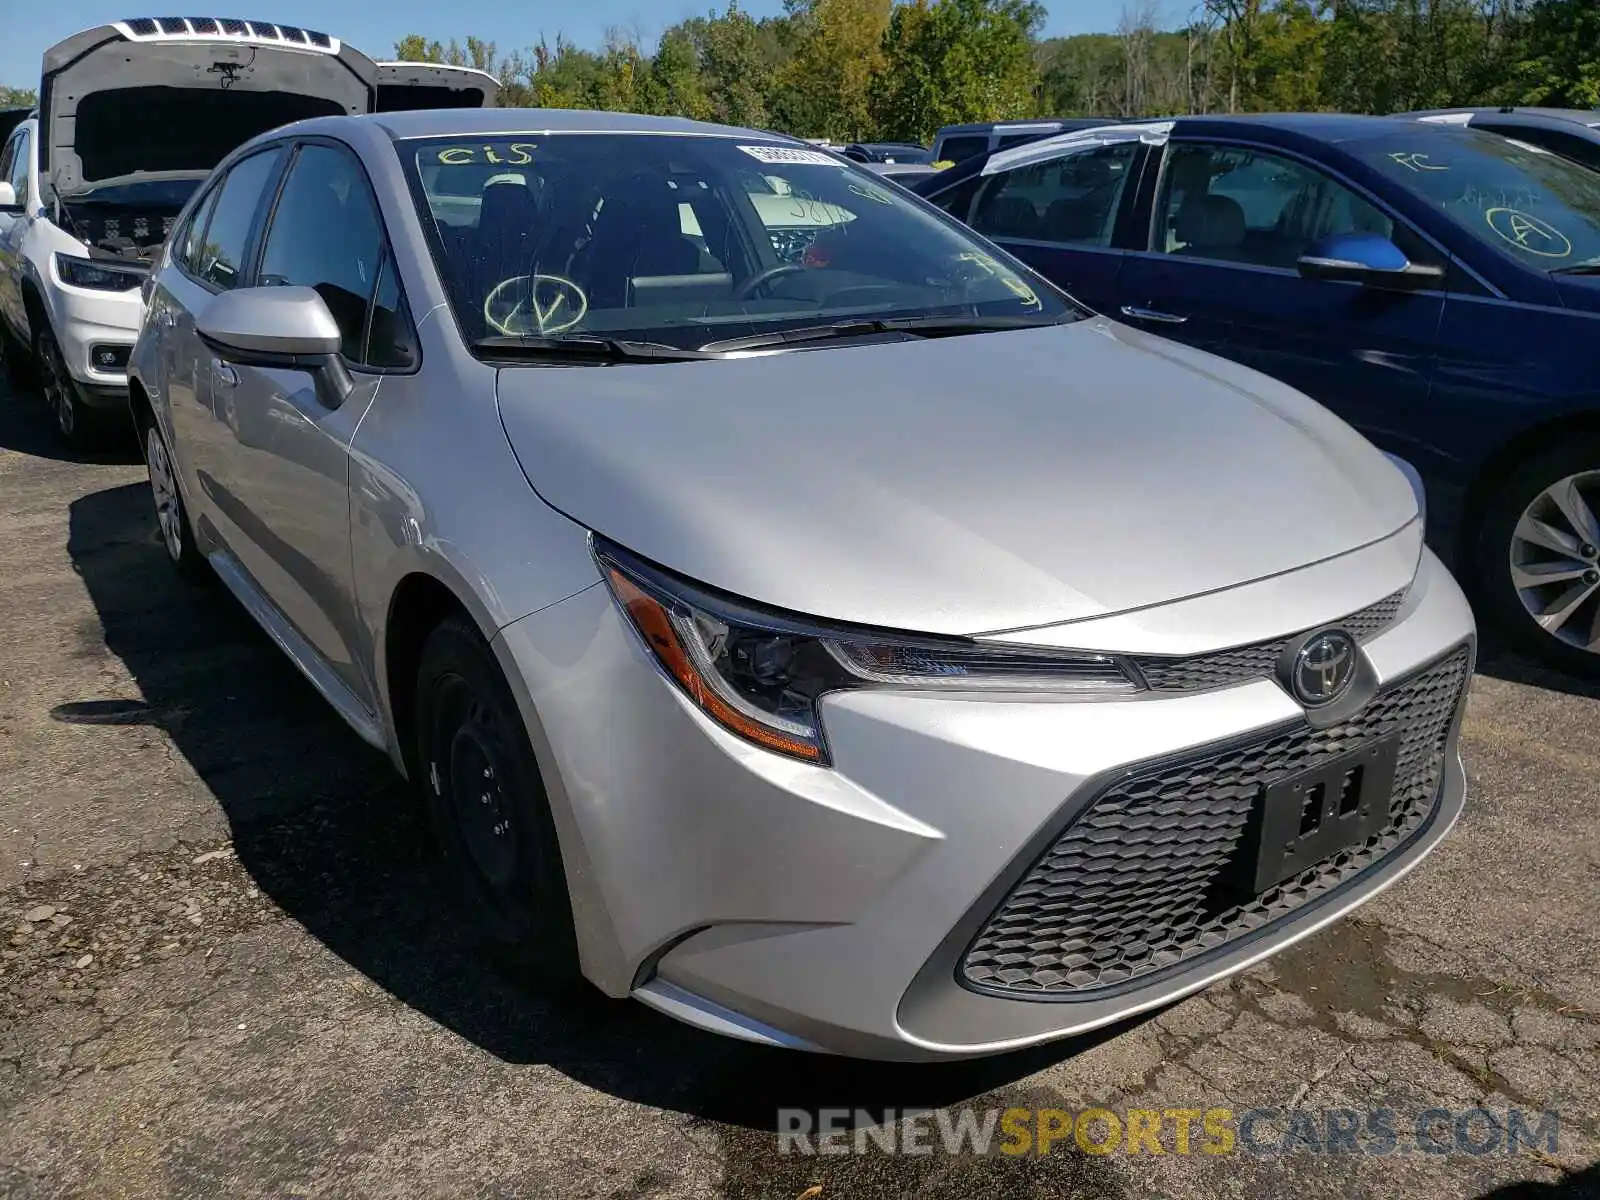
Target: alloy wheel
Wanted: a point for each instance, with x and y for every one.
(1555, 560)
(164, 491)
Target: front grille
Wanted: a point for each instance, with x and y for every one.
(1147, 876)
(1221, 668)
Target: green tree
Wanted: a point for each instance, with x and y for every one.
(836, 51)
(474, 53)
(675, 87)
(947, 61)
(11, 97)
(738, 75)
(1563, 64)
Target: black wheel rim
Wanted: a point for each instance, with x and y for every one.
(477, 781)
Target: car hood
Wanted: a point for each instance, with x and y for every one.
(154, 94)
(1581, 292)
(405, 86)
(958, 485)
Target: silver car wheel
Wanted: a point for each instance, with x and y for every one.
(1555, 561)
(164, 490)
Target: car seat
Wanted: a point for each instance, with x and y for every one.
(1210, 226)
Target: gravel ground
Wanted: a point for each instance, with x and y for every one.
(225, 967)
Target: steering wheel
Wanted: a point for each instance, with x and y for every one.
(762, 278)
(558, 293)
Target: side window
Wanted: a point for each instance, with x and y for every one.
(957, 148)
(327, 235)
(1246, 206)
(187, 252)
(1072, 200)
(6, 156)
(21, 167)
(957, 200)
(1008, 140)
(390, 339)
(233, 219)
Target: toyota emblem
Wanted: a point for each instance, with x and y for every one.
(1323, 668)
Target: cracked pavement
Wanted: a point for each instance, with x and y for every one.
(225, 967)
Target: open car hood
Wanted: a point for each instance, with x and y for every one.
(177, 94)
(404, 86)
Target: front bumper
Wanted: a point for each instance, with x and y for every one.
(86, 321)
(831, 908)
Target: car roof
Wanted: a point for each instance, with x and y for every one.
(1321, 127)
(473, 122)
(1581, 116)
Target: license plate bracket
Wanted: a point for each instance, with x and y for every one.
(1311, 816)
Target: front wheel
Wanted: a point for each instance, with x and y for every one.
(172, 519)
(60, 393)
(1539, 556)
(486, 802)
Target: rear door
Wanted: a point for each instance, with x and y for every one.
(1230, 220)
(1058, 210)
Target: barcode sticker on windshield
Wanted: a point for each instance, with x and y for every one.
(789, 154)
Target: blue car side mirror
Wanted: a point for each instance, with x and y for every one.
(1366, 258)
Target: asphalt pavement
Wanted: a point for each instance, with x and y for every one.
(226, 968)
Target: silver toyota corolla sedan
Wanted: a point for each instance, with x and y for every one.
(796, 614)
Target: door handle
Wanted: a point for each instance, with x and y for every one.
(224, 374)
(1152, 314)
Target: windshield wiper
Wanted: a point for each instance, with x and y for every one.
(1583, 268)
(583, 346)
(920, 326)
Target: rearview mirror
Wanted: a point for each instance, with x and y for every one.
(1366, 258)
(285, 327)
(8, 198)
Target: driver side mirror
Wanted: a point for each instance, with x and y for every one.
(289, 328)
(8, 199)
(1369, 259)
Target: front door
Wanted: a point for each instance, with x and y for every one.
(14, 169)
(211, 258)
(1230, 224)
(288, 462)
(1059, 213)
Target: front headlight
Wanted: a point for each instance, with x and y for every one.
(760, 673)
(87, 273)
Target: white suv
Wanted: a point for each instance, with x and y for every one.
(132, 117)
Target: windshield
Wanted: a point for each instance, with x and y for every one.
(1526, 202)
(691, 240)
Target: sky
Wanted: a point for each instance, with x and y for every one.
(375, 27)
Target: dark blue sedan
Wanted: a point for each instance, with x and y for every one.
(1435, 285)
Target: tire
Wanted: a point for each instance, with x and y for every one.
(74, 424)
(1526, 533)
(172, 517)
(18, 370)
(486, 802)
